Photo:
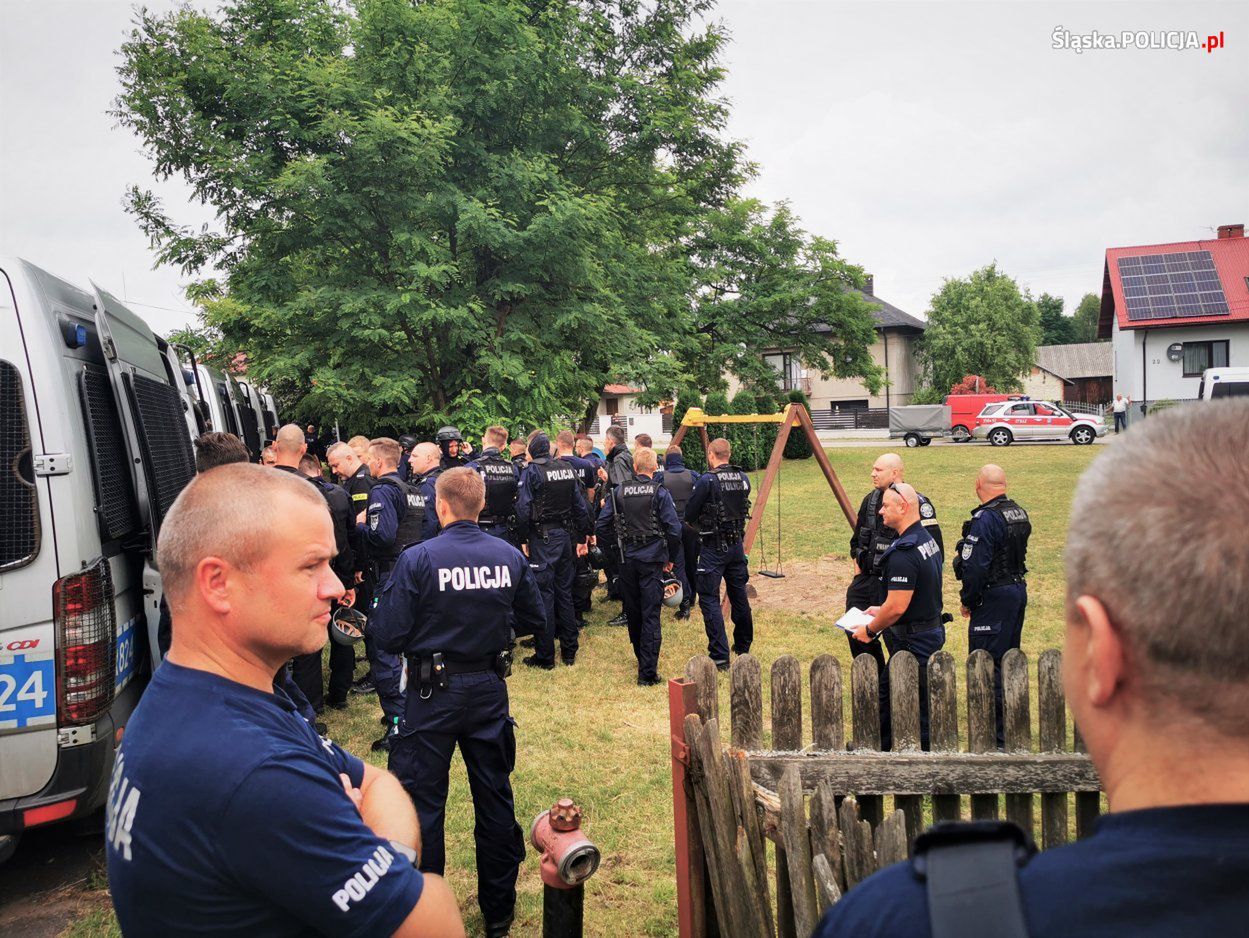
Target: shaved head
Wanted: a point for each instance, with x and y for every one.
(993, 475)
(425, 456)
(289, 441)
(899, 508)
(886, 469)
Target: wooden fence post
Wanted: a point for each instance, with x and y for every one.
(904, 704)
(797, 851)
(691, 871)
(786, 704)
(1017, 727)
(981, 723)
(1088, 803)
(1052, 708)
(828, 732)
(943, 725)
(702, 671)
(746, 703)
(865, 715)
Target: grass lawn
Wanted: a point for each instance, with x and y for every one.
(590, 733)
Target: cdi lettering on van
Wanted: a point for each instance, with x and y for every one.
(97, 415)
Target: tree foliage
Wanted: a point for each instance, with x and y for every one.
(1084, 322)
(983, 325)
(472, 211)
(797, 446)
(692, 445)
(1056, 329)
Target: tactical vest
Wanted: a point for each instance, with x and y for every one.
(681, 486)
(1008, 565)
(875, 537)
(556, 490)
(410, 521)
(501, 489)
(730, 504)
(635, 504)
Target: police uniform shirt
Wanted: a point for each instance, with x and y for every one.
(913, 562)
(425, 487)
(482, 468)
(227, 816)
(985, 538)
(453, 595)
(358, 486)
(1173, 872)
(530, 493)
(666, 545)
(869, 517)
(707, 486)
(587, 468)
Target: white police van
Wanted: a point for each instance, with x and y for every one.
(1224, 382)
(95, 445)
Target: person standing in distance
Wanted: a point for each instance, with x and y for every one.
(718, 508)
(502, 480)
(680, 481)
(394, 520)
(585, 578)
(641, 513)
(451, 444)
(1159, 686)
(358, 483)
(910, 618)
(619, 469)
(551, 511)
(1120, 408)
(423, 463)
(446, 608)
(990, 561)
(227, 814)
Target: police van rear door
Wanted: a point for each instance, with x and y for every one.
(154, 429)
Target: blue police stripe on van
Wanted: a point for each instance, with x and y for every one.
(27, 691)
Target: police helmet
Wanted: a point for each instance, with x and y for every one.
(408, 441)
(594, 554)
(347, 625)
(587, 578)
(447, 434)
(673, 594)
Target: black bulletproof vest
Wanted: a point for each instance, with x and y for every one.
(556, 488)
(732, 503)
(875, 536)
(681, 486)
(501, 488)
(410, 521)
(636, 506)
(1009, 564)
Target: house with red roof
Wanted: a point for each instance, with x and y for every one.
(1173, 310)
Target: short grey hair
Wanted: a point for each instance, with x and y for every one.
(233, 512)
(1157, 534)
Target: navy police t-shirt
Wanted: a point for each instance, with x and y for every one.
(1155, 873)
(226, 815)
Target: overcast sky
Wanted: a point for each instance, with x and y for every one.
(928, 139)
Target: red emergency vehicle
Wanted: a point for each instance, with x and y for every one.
(965, 407)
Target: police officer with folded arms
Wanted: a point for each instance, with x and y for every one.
(868, 543)
(394, 520)
(719, 507)
(990, 562)
(641, 515)
(502, 481)
(551, 512)
(446, 608)
(911, 616)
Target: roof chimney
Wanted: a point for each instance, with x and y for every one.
(869, 285)
(1225, 231)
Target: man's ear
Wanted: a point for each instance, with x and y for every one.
(212, 575)
(1100, 646)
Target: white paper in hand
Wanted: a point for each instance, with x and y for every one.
(853, 618)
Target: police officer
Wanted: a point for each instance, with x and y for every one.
(519, 451)
(407, 443)
(291, 449)
(550, 513)
(502, 480)
(358, 483)
(585, 577)
(990, 562)
(644, 520)
(446, 609)
(619, 469)
(910, 618)
(450, 441)
(718, 508)
(394, 520)
(868, 543)
(679, 481)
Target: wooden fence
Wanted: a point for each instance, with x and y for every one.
(822, 802)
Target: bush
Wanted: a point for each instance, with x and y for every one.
(797, 446)
(973, 384)
(692, 445)
(747, 438)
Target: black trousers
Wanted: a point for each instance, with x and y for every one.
(642, 593)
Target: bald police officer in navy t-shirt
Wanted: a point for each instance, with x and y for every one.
(227, 814)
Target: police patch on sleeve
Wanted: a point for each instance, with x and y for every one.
(967, 549)
(374, 518)
(926, 510)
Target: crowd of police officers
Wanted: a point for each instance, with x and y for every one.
(445, 612)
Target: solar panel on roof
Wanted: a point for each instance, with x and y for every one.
(1167, 286)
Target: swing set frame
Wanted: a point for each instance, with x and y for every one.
(794, 415)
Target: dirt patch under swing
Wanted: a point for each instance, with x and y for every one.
(810, 587)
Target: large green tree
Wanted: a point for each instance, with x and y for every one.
(1056, 329)
(466, 210)
(1084, 322)
(982, 325)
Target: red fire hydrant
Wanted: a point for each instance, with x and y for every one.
(568, 860)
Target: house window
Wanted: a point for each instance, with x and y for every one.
(1198, 356)
(838, 406)
(786, 367)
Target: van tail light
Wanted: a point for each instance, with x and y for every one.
(86, 641)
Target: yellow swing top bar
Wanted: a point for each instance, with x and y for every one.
(694, 417)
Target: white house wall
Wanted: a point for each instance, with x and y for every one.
(1166, 379)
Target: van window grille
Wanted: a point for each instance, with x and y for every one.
(19, 506)
(163, 437)
(114, 489)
